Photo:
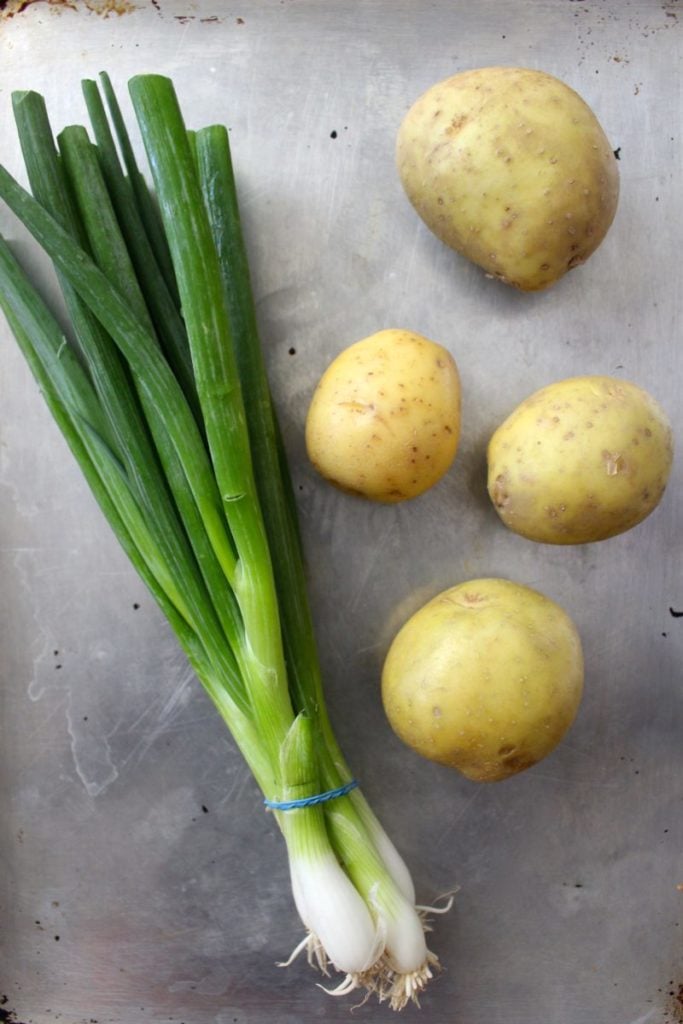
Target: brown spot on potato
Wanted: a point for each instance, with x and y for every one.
(456, 124)
(614, 463)
(519, 762)
(499, 494)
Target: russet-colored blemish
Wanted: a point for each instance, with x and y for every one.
(614, 463)
(499, 494)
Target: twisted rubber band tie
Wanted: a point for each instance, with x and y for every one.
(310, 801)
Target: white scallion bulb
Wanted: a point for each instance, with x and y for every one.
(331, 907)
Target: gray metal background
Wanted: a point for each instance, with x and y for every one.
(141, 879)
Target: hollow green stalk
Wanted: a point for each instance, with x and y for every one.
(161, 300)
(217, 179)
(218, 386)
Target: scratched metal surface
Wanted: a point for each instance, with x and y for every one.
(140, 879)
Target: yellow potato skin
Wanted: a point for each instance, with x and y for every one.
(510, 167)
(581, 460)
(384, 420)
(485, 678)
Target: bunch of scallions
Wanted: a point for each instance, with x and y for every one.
(160, 390)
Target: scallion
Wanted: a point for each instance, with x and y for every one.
(162, 394)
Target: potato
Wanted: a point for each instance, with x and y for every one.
(580, 460)
(511, 168)
(384, 421)
(485, 678)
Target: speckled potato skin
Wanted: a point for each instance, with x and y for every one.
(384, 421)
(511, 168)
(485, 678)
(579, 461)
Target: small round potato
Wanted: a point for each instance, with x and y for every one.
(384, 421)
(580, 460)
(485, 678)
(510, 167)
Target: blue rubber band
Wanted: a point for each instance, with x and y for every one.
(310, 801)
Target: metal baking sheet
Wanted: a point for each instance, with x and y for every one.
(141, 880)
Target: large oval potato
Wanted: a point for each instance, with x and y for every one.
(510, 167)
(581, 460)
(485, 678)
(384, 421)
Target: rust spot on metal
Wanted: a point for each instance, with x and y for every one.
(102, 7)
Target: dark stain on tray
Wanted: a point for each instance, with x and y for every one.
(675, 614)
(9, 8)
(674, 1011)
(184, 19)
(9, 1016)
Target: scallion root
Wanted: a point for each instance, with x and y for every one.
(383, 979)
